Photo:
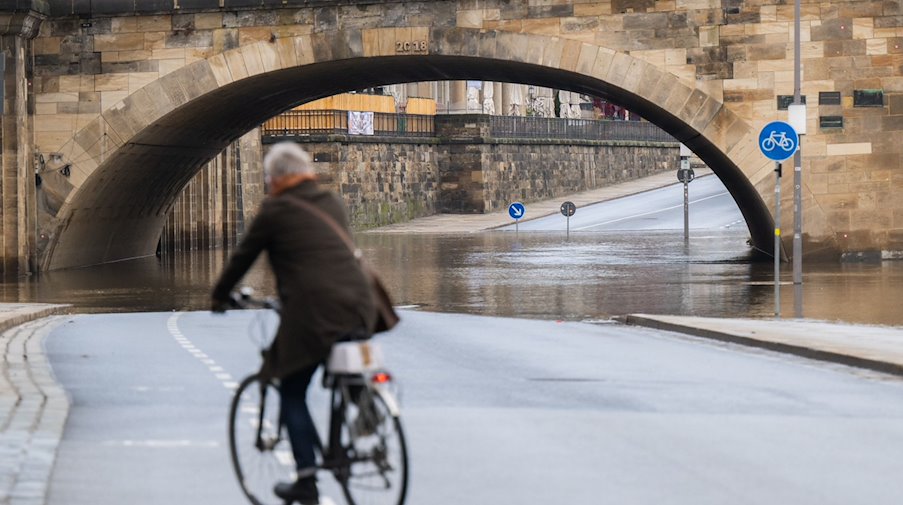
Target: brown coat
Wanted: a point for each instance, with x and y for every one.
(324, 293)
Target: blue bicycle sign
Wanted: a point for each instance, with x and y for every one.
(778, 141)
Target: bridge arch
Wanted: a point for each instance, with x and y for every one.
(138, 155)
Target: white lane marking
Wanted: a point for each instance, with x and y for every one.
(172, 324)
(657, 211)
(163, 444)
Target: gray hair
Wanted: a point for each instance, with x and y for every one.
(285, 159)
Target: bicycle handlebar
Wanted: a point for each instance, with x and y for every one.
(244, 299)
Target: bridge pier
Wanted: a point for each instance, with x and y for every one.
(17, 173)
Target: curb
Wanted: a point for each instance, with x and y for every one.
(796, 350)
(33, 407)
(27, 317)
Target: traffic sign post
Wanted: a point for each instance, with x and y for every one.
(516, 210)
(685, 175)
(778, 141)
(568, 209)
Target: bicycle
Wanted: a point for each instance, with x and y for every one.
(366, 451)
(777, 140)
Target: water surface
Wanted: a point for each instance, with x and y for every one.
(591, 275)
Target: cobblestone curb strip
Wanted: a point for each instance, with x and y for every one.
(33, 410)
(830, 356)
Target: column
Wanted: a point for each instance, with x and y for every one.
(17, 174)
(458, 102)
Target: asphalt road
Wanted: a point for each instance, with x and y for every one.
(711, 206)
(497, 411)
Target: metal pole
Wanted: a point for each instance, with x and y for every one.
(686, 212)
(797, 179)
(569, 227)
(777, 242)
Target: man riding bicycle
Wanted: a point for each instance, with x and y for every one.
(324, 293)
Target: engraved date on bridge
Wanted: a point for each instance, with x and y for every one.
(411, 46)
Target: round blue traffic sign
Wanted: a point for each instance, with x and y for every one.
(778, 141)
(516, 210)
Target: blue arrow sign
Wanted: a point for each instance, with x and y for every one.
(516, 210)
(778, 141)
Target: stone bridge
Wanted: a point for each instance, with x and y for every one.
(118, 103)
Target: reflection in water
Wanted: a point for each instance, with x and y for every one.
(538, 275)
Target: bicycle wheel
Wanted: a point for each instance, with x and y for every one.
(374, 441)
(261, 452)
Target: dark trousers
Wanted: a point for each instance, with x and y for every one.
(296, 417)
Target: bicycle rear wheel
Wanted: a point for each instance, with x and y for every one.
(261, 452)
(374, 440)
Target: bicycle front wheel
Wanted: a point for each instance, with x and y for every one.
(372, 437)
(261, 452)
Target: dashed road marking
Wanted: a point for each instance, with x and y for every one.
(172, 324)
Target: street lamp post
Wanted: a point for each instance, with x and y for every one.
(797, 177)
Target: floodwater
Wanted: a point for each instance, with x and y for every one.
(542, 275)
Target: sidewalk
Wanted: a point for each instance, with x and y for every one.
(33, 408)
(472, 223)
(878, 348)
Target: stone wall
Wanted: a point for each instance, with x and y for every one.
(464, 170)
(383, 181)
(479, 173)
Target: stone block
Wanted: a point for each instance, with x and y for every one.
(124, 25)
(833, 29)
(592, 9)
(253, 62)
(252, 34)
(56, 123)
(551, 54)
(236, 64)
(169, 66)
(45, 108)
(159, 23)
(47, 45)
(269, 56)
(544, 26)
(849, 149)
(56, 97)
(304, 50)
(109, 98)
(119, 42)
(535, 48)
(138, 80)
(219, 67)
(188, 38)
(472, 18)
(570, 55)
(634, 75)
(208, 20)
(198, 79)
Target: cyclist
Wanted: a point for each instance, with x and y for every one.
(324, 293)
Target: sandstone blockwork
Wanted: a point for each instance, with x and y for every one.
(112, 87)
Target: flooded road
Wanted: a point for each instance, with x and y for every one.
(593, 275)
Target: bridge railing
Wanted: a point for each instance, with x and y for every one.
(571, 129)
(325, 122)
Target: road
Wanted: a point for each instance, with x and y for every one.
(497, 411)
(711, 206)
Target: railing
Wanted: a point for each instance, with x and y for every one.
(573, 129)
(326, 122)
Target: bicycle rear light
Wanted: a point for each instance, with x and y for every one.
(381, 378)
